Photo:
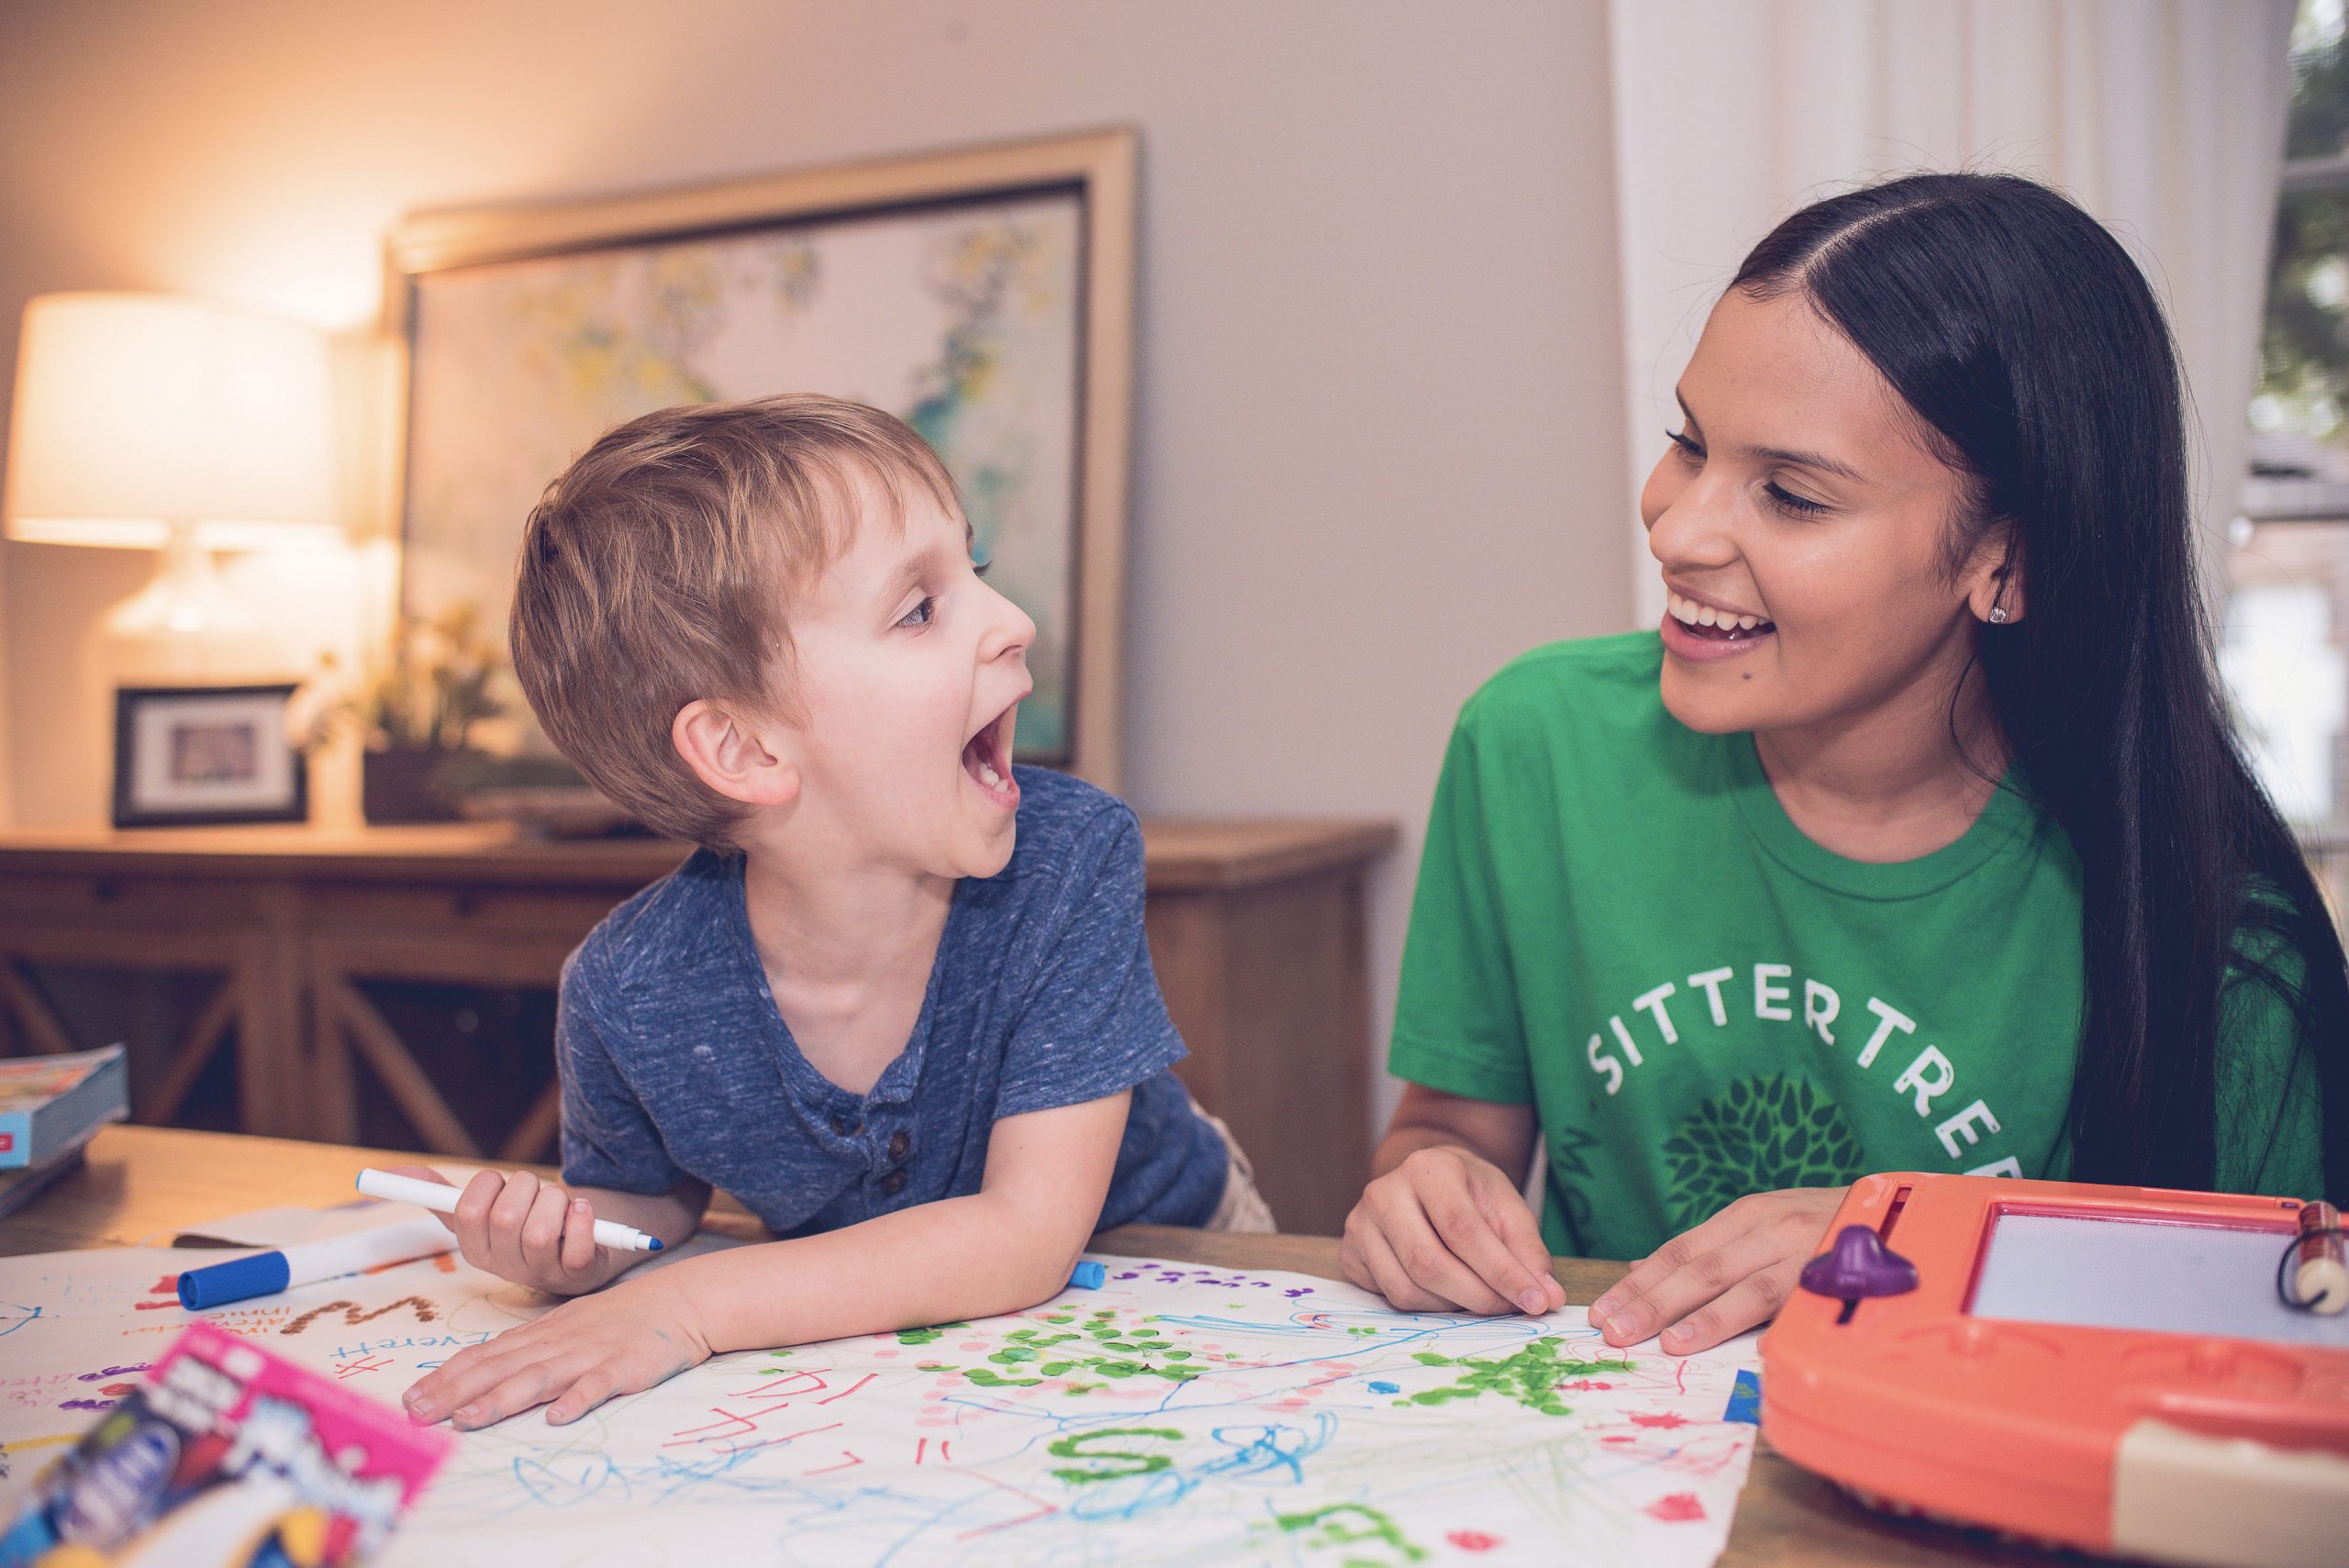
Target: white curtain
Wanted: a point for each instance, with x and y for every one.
(2163, 117)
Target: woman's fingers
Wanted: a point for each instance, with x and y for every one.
(1467, 1233)
(1728, 1273)
(1753, 1299)
(1681, 1275)
(1504, 1205)
(1412, 1233)
(1392, 1279)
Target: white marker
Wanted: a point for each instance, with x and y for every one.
(283, 1268)
(441, 1198)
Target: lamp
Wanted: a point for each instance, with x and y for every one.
(161, 422)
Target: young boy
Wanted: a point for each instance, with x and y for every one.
(899, 1003)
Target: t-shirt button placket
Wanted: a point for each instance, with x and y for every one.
(901, 1144)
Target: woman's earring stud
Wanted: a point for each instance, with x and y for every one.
(1998, 615)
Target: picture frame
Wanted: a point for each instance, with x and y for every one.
(986, 295)
(187, 756)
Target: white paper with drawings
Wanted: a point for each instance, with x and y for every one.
(1178, 1415)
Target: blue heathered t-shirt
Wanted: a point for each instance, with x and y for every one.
(675, 1062)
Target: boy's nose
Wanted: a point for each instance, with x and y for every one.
(1009, 630)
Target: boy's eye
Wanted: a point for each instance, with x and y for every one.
(921, 614)
(981, 568)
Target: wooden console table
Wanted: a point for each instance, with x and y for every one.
(1257, 930)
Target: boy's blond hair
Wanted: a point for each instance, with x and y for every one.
(654, 572)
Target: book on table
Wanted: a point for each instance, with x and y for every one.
(51, 1105)
(21, 1186)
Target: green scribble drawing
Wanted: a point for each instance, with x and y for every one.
(1077, 1445)
(1530, 1375)
(1759, 1135)
(1100, 1346)
(1351, 1527)
(927, 1336)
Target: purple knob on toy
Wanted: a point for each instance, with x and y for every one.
(1858, 1265)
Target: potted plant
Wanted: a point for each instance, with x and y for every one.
(414, 714)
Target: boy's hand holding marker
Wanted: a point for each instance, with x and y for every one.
(517, 1227)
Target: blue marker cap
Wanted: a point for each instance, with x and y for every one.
(217, 1284)
(1089, 1275)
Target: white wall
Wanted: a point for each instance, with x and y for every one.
(1379, 442)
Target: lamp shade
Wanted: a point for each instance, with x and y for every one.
(136, 412)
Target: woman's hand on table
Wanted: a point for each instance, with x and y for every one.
(1444, 1232)
(1728, 1275)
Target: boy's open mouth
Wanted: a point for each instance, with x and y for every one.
(986, 756)
(1708, 624)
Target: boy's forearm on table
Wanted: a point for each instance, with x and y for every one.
(943, 1261)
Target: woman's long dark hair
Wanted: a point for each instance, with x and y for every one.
(2020, 331)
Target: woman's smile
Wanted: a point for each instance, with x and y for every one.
(1695, 629)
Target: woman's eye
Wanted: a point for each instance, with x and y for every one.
(1786, 501)
(921, 614)
(1688, 448)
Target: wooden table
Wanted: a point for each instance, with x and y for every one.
(143, 1184)
(1258, 928)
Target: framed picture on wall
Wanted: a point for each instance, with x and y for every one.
(985, 296)
(187, 755)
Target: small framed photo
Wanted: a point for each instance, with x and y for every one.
(191, 755)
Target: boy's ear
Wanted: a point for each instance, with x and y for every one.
(726, 753)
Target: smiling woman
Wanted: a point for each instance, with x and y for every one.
(1917, 840)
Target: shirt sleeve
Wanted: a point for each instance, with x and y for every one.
(1457, 1026)
(1094, 1022)
(2269, 1136)
(608, 1140)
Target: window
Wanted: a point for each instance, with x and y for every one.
(2284, 650)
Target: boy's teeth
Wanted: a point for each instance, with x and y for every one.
(987, 776)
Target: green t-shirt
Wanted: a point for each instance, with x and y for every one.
(1618, 923)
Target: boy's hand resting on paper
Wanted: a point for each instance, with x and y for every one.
(582, 1353)
(1446, 1230)
(1725, 1276)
